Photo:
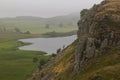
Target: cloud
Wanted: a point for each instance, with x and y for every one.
(44, 8)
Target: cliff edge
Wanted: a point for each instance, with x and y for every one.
(95, 55)
(99, 29)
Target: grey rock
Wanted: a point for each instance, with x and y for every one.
(97, 30)
(104, 44)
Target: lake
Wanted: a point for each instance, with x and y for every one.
(48, 45)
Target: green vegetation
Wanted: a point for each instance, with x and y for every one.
(55, 34)
(83, 12)
(105, 67)
(17, 64)
(20, 64)
(37, 25)
(63, 63)
(8, 36)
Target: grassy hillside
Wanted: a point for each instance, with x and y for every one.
(102, 68)
(17, 64)
(96, 53)
(62, 65)
(105, 67)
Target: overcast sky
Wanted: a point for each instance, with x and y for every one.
(43, 8)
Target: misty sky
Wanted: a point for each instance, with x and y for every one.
(43, 8)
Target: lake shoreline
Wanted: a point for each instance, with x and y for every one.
(47, 43)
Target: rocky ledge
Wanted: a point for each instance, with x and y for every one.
(99, 29)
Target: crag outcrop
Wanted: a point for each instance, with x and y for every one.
(95, 55)
(99, 29)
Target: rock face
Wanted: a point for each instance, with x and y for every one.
(98, 29)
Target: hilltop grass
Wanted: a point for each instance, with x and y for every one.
(17, 64)
(105, 67)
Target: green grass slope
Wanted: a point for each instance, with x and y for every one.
(17, 64)
(106, 67)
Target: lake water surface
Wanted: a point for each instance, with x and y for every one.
(49, 45)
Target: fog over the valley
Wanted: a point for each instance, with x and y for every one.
(43, 8)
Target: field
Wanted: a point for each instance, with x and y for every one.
(36, 29)
(17, 64)
(38, 25)
(42, 30)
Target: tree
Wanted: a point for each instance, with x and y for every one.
(59, 50)
(83, 12)
(54, 55)
(35, 59)
(27, 32)
(39, 67)
(17, 30)
(41, 63)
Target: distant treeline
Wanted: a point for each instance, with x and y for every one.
(58, 34)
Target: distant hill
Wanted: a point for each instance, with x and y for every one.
(66, 19)
(38, 24)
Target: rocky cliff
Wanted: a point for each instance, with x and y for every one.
(95, 55)
(99, 29)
